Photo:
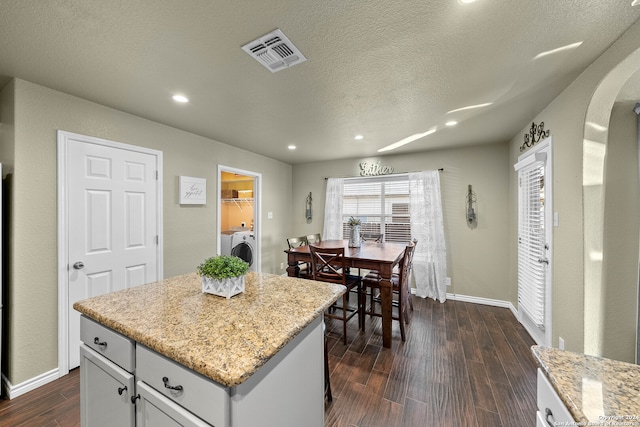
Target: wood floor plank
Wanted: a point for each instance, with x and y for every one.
(399, 379)
(470, 345)
(415, 413)
(481, 386)
(509, 408)
(488, 418)
(365, 364)
(462, 365)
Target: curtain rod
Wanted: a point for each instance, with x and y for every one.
(378, 176)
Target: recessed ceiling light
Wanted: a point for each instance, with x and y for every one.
(358, 137)
(470, 107)
(180, 98)
(465, 1)
(635, 2)
(557, 50)
(291, 147)
(407, 140)
(451, 123)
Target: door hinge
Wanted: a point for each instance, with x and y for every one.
(157, 240)
(156, 175)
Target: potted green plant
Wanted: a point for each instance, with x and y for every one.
(223, 275)
(354, 232)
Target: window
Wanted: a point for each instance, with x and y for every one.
(382, 204)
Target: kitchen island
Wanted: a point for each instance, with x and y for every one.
(595, 391)
(254, 359)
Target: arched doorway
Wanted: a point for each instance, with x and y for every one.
(595, 187)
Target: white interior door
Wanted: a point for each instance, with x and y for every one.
(113, 224)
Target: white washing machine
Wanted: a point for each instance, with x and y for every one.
(241, 244)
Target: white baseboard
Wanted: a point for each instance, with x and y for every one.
(480, 300)
(13, 391)
(484, 301)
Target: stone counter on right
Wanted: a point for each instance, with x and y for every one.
(596, 391)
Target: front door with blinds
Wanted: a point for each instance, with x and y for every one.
(535, 215)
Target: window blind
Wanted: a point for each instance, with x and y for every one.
(531, 242)
(382, 205)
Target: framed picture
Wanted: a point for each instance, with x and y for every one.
(193, 191)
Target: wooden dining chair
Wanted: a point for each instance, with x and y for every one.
(314, 238)
(400, 290)
(305, 267)
(328, 265)
(371, 237)
(295, 242)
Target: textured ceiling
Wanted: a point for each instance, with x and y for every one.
(383, 69)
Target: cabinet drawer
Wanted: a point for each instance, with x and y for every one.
(115, 347)
(196, 393)
(550, 406)
(156, 410)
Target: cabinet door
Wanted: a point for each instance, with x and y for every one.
(105, 392)
(155, 410)
(550, 406)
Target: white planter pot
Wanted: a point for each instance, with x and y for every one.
(223, 287)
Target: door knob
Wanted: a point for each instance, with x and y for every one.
(78, 265)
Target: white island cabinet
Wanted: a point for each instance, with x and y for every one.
(106, 379)
(285, 391)
(187, 359)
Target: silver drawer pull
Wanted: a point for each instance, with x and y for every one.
(548, 413)
(165, 380)
(102, 344)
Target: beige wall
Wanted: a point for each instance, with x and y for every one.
(477, 259)
(189, 232)
(578, 198)
(616, 336)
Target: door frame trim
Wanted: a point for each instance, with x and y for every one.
(547, 147)
(63, 137)
(257, 206)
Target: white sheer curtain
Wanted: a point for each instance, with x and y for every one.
(333, 209)
(430, 256)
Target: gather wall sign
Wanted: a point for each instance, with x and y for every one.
(374, 169)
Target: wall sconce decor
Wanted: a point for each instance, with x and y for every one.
(307, 209)
(472, 217)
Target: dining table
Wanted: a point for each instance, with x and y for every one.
(379, 256)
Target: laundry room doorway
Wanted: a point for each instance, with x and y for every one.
(239, 214)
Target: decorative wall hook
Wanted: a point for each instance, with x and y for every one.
(535, 135)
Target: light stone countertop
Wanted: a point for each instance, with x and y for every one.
(597, 391)
(226, 340)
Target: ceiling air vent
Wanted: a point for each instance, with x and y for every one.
(275, 51)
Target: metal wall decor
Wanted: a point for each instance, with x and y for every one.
(535, 135)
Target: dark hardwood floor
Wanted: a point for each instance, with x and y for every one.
(463, 365)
